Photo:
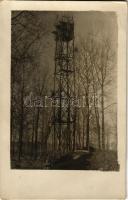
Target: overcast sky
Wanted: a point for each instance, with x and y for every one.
(101, 24)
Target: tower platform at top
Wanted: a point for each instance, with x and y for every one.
(64, 29)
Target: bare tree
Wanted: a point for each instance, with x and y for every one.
(102, 69)
(85, 79)
(95, 59)
(26, 35)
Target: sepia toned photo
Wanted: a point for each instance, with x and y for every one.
(64, 90)
(63, 100)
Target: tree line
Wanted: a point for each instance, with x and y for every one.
(93, 69)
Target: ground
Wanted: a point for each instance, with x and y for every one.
(97, 160)
(78, 160)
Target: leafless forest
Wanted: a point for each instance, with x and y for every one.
(59, 57)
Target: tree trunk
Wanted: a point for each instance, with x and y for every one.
(107, 145)
(102, 107)
(21, 127)
(74, 133)
(33, 132)
(22, 116)
(97, 123)
(83, 129)
(96, 113)
(43, 128)
(87, 122)
(98, 130)
(36, 133)
(78, 129)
